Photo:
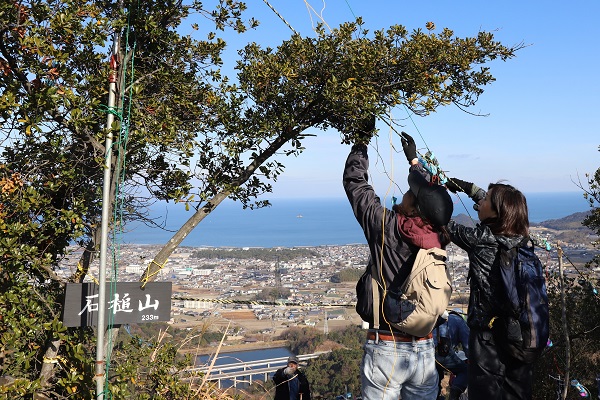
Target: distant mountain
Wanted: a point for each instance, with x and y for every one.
(465, 220)
(570, 222)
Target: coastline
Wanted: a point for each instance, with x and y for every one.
(329, 222)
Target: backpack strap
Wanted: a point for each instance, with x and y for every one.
(375, 294)
(505, 260)
(525, 242)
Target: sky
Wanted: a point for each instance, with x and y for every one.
(541, 132)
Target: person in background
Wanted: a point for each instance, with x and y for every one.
(290, 382)
(504, 221)
(448, 336)
(396, 365)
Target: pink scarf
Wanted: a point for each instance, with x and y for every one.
(415, 231)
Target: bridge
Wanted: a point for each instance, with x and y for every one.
(246, 372)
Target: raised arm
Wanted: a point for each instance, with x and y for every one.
(472, 190)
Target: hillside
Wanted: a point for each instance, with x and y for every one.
(570, 222)
(465, 220)
(568, 229)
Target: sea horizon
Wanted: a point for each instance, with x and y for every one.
(291, 222)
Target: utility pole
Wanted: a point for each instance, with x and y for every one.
(277, 292)
(277, 276)
(106, 207)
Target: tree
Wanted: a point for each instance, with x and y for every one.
(335, 373)
(273, 294)
(582, 311)
(592, 221)
(330, 374)
(176, 107)
(303, 340)
(334, 80)
(53, 71)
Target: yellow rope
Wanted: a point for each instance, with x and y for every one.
(150, 275)
(80, 269)
(263, 302)
(54, 360)
(391, 180)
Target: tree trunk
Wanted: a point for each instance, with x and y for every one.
(163, 255)
(161, 258)
(47, 370)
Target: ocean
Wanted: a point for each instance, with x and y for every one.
(304, 222)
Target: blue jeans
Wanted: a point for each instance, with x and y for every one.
(393, 370)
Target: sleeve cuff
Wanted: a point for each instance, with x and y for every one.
(478, 193)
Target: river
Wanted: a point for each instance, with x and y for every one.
(237, 357)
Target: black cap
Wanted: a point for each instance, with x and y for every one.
(293, 359)
(433, 201)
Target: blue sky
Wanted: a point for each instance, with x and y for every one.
(542, 132)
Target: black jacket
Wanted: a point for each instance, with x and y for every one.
(378, 223)
(484, 274)
(282, 388)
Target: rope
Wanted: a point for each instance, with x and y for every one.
(80, 270)
(127, 328)
(444, 367)
(280, 17)
(117, 112)
(416, 127)
(383, 281)
(55, 360)
(120, 146)
(150, 275)
(264, 302)
(320, 15)
(544, 244)
(348, 4)
(586, 279)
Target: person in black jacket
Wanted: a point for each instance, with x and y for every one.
(290, 382)
(503, 215)
(395, 364)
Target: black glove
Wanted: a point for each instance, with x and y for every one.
(457, 185)
(366, 130)
(409, 147)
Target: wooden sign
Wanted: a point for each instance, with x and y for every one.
(126, 303)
